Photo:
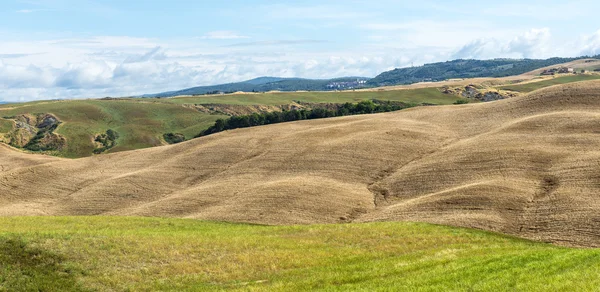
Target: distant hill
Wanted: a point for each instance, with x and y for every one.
(463, 69)
(263, 84)
(428, 72)
(265, 80)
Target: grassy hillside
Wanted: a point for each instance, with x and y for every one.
(5, 125)
(139, 124)
(416, 96)
(114, 253)
(529, 87)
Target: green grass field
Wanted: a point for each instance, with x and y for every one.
(529, 87)
(143, 254)
(139, 123)
(414, 96)
(5, 125)
(142, 122)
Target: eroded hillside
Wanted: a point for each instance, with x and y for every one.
(527, 166)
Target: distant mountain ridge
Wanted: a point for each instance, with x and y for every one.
(464, 69)
(461, 68)
(265, 80)
(263, 84)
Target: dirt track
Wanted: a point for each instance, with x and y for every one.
(527, 166)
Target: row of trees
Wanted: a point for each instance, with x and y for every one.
(256, 119)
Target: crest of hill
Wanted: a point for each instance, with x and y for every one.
(526, 166)
(261, 84)
(427, 73)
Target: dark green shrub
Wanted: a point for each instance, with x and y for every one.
(461, 101)
(174, 138)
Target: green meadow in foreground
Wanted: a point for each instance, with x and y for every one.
(529, 87)
(141, 254)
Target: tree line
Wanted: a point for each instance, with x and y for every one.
(258, 119)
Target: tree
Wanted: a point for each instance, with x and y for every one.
(219, 125)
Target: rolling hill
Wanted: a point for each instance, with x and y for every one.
(531, 86)
(264, 84)
(80, 126)
(429, 72)
(464, 69)
(141, 123)
(138, 123)
(526, 166)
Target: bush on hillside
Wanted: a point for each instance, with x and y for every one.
(108, 140)
(461, 101)
(174, 138)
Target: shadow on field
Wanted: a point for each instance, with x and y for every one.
(26, 267)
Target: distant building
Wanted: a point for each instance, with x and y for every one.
(340, 85)
(560, 70)
(549, 72)
(564, 70)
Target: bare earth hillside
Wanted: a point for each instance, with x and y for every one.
(527, 166)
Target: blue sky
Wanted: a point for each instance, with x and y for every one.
(92, 48)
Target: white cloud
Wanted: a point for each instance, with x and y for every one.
(535, 43)
(158, 69)
(432, 33)
(478, 49)
(531, 44)
(155, 54)
(590, 45)
(85, 75)
(122, 66)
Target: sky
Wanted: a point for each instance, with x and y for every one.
(63, 49)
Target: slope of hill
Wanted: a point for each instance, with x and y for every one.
(141, 123)
(463, 69)
(264, 80)
(526, 166)
(531, 86)
(158, 254)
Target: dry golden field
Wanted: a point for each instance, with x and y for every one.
(527, 166)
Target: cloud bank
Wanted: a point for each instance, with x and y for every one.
(125, 66)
